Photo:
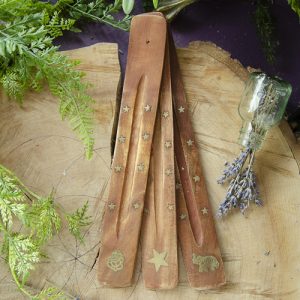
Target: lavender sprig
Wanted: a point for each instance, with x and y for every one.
(235, 167)
(243, 186)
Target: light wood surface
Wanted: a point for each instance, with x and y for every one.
(261, 253)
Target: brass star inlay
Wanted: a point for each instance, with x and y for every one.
(196, 178)
(145, 136)
(171, 206)
(182, 216)
(169, 172)
(147, 108)
(168, 144)
(118, 169)
(111, 206)
(204, 211)
(181, 109)
(122, 139)
(125, 108)
(165, 114)
(141, 167)
(136, 205)
(158, 259)
(190, 142)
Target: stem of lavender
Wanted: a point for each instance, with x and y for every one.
(242, 187)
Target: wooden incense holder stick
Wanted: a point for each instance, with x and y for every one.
(159, 243)
(196, 230)
(123, 214)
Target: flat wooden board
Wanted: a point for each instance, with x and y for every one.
(261, 252)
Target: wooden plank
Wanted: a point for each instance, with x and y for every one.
(159, 236)
(123, 214)
(196, 229)
(261, 253)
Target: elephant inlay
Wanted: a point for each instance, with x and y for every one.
(205, 263)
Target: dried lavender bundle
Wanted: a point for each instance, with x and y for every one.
(242, 187)
(234, 168)
(262, 107)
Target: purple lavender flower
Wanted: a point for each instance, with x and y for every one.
(234, 168)
(242, 189)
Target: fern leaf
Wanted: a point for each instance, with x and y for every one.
(79, 114)
(51, 293)
(22, 254)
(56, 25)
(12, 86)
(11, 198)
(77, 221)
(39, 63)
(295, 5)
(43, 219)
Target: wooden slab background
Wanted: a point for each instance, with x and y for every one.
(261, 252)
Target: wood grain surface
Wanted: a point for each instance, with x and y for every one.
(196, 229)
(124, 210)
(159, 236)
(261, 253)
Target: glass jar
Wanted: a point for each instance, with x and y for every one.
(262, 106)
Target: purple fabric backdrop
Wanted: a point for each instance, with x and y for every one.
(229, 24)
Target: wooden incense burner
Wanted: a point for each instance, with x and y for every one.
(156, 182)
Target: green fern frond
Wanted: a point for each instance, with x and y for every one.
(78, 111)
(11, 200)
(17, 39)
(12, 86)
(77, 221)
(36, 63)
(23, 254)
(295, 5)
(28, 58)
(51, 293)
(22, 250)
(99, 11)
(43, 219)
(56, 25)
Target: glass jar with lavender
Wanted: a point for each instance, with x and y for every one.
(262, 106)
